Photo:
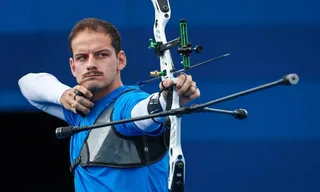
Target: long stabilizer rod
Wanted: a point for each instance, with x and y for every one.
(291, 79)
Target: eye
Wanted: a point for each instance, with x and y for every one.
(81, 58)
(102, 54)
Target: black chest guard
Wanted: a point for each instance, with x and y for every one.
(107, 147)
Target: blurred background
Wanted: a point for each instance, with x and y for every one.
(277, 148)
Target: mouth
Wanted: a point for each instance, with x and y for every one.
(88, 76)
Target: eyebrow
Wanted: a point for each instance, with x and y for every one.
(99, 51)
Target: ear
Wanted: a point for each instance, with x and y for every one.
(72, 66)
(122, 60)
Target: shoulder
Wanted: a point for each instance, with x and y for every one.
(123, 107)
(131, 96)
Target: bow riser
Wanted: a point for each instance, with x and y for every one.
(177, 162)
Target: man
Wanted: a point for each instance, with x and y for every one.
(121, 158)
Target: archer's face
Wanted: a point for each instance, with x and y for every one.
(95, 64)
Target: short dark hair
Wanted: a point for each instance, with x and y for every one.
(96, 25)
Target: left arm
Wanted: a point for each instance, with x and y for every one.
(146, 107)
(187, 91)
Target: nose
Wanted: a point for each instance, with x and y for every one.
(91, 65)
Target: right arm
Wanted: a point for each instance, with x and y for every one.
(44, 91)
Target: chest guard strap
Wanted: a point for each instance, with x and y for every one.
(107, 147)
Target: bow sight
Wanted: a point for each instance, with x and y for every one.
(184, 48)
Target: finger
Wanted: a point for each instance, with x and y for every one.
(68, 99)
(165, 84)
(185, 86)
(78, 107)
(191, 90)
(182, 78)
(84, 101)
(195, 95)
(84, 90)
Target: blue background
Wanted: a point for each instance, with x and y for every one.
(275, 149)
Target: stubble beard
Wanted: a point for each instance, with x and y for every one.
(94, 87)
